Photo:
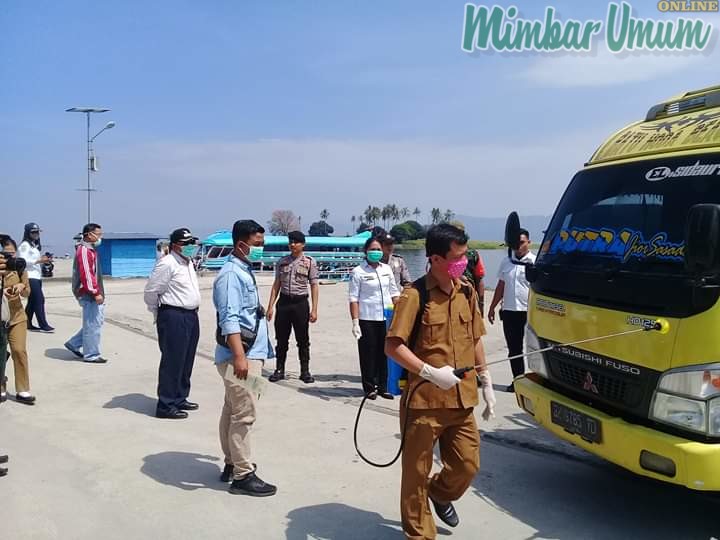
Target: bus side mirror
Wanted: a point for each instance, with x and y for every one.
(702, 239)
(512, 231)
(532, 273)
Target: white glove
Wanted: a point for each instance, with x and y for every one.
(488, 395)
(356, 332)
(442, 377)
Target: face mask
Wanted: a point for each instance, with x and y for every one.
(256, 253)
(374, 255)
(188, 251)
(97, 242)
(456, 268)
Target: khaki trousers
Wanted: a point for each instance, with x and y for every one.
(236, 420)
(17, 339)
(457, 433)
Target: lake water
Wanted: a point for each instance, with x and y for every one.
(416, 261)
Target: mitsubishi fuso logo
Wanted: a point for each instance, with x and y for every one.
(589, 385)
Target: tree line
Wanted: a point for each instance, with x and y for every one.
(390, 217)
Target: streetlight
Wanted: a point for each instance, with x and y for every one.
(91, 162)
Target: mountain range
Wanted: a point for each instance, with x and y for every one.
(493, 228)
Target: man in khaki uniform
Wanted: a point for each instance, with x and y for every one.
(3, 344)
(293, 274)
(446, 337)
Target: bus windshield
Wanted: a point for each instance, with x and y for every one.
(630, 217)
(617, 238)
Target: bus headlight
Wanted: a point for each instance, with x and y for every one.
(714, 417)
(682, 412)
(536, 360)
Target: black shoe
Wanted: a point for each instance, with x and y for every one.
(227, 473)
(47, 330)
(306, 377)
(4, 459)
(511, 388)
(251, 485)
(98, 360)
(188, 406)
(32, 328)
(173, 414)
(372, 395)
(446, 513)
(387, 395)
(74, 351)
(277, 376)
(3, 471)
(29, 400)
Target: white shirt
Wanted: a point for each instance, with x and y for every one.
(372, 295)
(32, 256)
(517, 287)
(173, 282)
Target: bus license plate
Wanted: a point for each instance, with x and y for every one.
(576, 422)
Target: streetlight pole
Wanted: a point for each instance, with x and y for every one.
(90, 161)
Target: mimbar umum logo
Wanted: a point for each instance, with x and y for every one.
(686, 6)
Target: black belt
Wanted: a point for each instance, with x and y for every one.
(294, 297)
(168, 306)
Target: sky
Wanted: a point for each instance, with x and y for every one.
(231, 109)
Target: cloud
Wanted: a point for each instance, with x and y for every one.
(606, 69)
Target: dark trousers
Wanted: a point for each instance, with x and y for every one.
(36, 304)
(178, 334)
(373, 362)
(292, 313)
(514, 329)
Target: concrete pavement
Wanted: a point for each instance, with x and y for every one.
(91, 461)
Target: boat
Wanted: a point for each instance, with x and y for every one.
(336, 256)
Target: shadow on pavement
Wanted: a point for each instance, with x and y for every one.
(338, 377)
(332, 392)
(184, 470)
(62, 354)
(335, 521)
(589, 498)
(138, 403)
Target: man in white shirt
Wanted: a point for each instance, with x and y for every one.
(512, 289)
(172, 295)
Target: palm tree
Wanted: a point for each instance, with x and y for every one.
(448, 216)
(385, 215)
(324, 214)
(394, 213)
(405, 212)
(352, 225)
(436, 215)
(368, 213)
(376, 215)
(417, 213)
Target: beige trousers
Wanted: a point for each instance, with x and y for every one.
(17, 339)
(236, 420)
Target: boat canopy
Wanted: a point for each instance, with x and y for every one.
(224, 238)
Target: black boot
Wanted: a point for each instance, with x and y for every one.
(305, 375)
(279, 373)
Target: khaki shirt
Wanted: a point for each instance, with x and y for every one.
(17, 311)
(450, 327)
(296, 274)
(400, 271)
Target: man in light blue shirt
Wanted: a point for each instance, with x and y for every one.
(243, 345)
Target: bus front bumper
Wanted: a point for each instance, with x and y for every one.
(639, 449)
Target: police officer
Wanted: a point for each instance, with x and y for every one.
(396, 262)
(293, 274)
(441, 408)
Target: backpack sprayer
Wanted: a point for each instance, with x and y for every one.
(512, 239)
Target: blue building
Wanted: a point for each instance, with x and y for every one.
(128, 254)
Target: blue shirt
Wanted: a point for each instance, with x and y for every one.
(236, 300)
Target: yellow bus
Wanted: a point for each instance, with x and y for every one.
(635, 244)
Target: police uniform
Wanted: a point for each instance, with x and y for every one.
(400, 270)
(450, 327)
(293, 310)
